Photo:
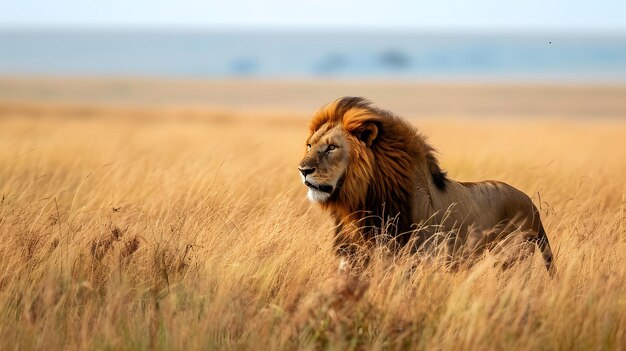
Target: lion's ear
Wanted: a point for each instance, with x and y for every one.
(367, 133)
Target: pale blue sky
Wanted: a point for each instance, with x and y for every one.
(561, 15)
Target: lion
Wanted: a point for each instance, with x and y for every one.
(377, 176)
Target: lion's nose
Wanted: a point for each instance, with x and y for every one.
(306, 170)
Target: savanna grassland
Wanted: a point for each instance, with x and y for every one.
(129, 227)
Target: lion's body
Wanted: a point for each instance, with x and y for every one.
(376, 174)
(482, 215)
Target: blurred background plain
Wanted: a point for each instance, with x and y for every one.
(484, 40)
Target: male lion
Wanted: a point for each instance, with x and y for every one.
(376, 175)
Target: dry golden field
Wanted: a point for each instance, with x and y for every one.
(128, 227)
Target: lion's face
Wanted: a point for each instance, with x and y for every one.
(326, 161)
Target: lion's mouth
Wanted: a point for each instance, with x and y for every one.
(323, 188)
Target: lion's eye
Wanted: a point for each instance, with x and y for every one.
(308, 146)
(331, 147)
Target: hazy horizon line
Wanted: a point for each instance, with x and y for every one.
(496, 31)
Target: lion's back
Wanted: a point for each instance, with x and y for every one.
(489, 203)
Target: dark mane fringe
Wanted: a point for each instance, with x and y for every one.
(439, 176)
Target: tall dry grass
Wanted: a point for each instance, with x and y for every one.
(123, 230)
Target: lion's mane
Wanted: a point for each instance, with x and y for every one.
(382, 179)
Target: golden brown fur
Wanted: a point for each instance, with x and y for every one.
(377, 175)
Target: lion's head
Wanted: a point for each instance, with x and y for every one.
(325, 164)
(334, 146)
(359, 157)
